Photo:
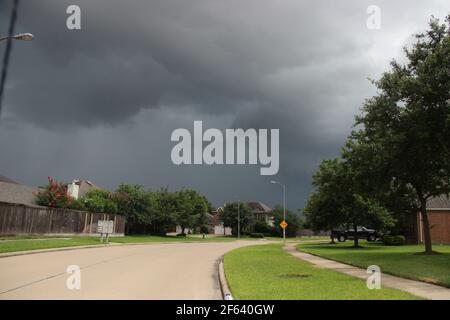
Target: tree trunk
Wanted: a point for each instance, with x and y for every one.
(355, 230)
(426, 226)
(332, 240)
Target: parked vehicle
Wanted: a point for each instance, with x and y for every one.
(342, 234)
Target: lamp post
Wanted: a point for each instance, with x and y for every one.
(284, 206)
(239, 219)
(20, 36)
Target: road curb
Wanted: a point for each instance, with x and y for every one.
(226, 292)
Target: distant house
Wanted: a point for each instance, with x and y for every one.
(438, 209)
(78, 187)
(14, 192)
(215, 225)
(20, 215)
(262, 212)
(6, 179)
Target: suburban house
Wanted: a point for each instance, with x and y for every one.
(262, 212)
(439, 217)
(78, 187)
(14, 192)
(20, 215)
(214, 224)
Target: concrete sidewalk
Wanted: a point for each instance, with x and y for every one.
(418, 288)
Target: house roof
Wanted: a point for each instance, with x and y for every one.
(441, 202)
(13, 192)
(259, 207)
(6, 179)
(219, 209)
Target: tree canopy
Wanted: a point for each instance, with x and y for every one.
(337, 201)
(397, 156)
(229, 216)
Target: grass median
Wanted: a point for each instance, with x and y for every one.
(25, 243)
(403, 261)
(267, 272)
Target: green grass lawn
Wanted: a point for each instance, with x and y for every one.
(35, 242)
(24, 243)
(267, 272)
(399, 260)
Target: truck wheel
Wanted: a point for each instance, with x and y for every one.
(342, 238)
(371, 238)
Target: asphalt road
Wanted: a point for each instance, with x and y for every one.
(153, 271)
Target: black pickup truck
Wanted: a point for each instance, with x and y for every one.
(342, 234)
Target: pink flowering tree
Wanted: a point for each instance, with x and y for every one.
(54, 195)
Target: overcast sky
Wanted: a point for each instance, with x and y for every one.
(100, 103)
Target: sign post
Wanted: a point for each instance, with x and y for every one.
(105, 227)
(284, 225)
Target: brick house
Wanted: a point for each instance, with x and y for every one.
(215, 226)
(261, 212)
(439, 216)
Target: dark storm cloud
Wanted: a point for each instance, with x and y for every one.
(145, 54)
(101, 102)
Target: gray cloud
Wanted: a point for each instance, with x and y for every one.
(101, 102)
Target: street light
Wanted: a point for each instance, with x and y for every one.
(284, 206)
(20, 36)
(239, 218)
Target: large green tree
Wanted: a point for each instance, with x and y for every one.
(135, 203)
(337, 201)
(164, 211)
(230, 215)
(408, 122)
(190, 210)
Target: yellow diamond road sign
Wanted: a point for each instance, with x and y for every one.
(283, 224)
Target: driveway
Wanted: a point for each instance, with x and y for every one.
(153, 271)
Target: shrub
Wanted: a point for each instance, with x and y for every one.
(100, 201)
(54, 195)
(204, 229)
(181, 234)
(262, 227)
(397, 240)
(256, 235)
(77, 204)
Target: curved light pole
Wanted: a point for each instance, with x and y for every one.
(284, 206)
(20, 36)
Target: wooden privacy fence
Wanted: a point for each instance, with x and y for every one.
(29, 219)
